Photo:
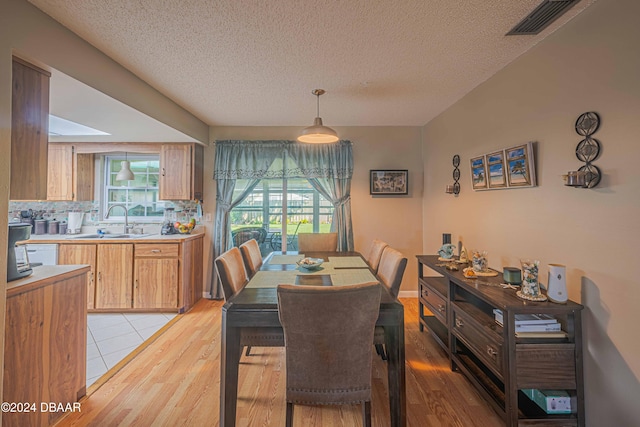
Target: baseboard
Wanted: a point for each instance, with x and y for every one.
(408, 294)
(206, 295)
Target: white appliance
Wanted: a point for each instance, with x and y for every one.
(557, 287)
(75, 222)
(45, 254)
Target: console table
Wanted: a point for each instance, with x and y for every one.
(458, 313)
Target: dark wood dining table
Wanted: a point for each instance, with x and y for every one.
(257, 307)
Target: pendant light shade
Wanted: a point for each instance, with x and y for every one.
(318, 133)
(125, 173)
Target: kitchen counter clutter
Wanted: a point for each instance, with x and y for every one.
(135, 272)
(45, 342)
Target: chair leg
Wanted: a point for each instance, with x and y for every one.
(366, 413)
(247, 351)
(381, 351)
(289, 420)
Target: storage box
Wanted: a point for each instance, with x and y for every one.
(551, 401)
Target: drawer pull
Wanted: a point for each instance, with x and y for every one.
(155, 251)
(441, 308)
(492, 351)
(459, 323)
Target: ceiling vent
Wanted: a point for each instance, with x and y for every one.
(543, 15)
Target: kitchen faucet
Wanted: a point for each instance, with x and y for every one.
(126, 216)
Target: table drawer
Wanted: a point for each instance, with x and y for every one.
(160, 250)
(471, 333)
(435, 302)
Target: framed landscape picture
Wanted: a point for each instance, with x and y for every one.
(496, 174)
(478, 173)
(520, 166)
(389, 182)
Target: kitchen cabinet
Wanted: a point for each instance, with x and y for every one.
(181, 171)
(459, 314)
(191, 274)
(29, 131)
(155, 278)
(114, 272)
(82, 254)
(70, 175)
(45, 344)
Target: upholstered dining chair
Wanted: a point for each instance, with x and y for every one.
(252, 257)
(328, 351)
(233, 277)
(317, 242)
(375, 253)
(390, 272)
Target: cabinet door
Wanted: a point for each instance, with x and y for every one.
(155, 283)
(175, 172)
(29, 131)
(60, 172)
(114, 269)
(81, 254)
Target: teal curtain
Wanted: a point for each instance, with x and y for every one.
(328, 167)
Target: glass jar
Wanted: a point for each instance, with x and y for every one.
(479, 261)
(530, 286)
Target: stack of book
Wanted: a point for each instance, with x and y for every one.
(534, 325)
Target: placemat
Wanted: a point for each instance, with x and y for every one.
(271, 279)
(352, 277)
(286, 259)
(348, 262)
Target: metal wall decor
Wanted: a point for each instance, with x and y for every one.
(587, 150)
(455, 188)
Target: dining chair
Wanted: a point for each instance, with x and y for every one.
(375, 253)
(252, 257)
(390, 272)
(317, 242)
(328, 332)
(233, 277)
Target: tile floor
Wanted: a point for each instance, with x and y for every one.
(112, 336)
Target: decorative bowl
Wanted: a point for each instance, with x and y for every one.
(188, 231)
(310, 263)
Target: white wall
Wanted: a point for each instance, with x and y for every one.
(395, 219)
(591, 64)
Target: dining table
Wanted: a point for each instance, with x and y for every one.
(256, 306)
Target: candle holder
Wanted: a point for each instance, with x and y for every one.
(587, 176)
(455, 188)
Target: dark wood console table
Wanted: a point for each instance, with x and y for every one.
(458, 313)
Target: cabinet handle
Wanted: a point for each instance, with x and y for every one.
(155, 251)
(459, 323)
(163, 172)
(492, 351)
(441, 308)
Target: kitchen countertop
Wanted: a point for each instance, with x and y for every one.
(151, 238)
(43, 276)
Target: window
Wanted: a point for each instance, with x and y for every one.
(140, 196)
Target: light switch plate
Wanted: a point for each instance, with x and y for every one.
(207, 217)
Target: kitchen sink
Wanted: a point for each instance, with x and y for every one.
(107, 236)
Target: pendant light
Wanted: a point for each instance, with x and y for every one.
(318, 133)
(125, 173)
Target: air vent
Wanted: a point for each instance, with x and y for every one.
(543, 15)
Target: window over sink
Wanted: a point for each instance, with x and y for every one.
(140, 196)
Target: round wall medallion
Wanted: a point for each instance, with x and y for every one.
(588, 123)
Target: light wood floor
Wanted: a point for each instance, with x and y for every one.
(175, 382)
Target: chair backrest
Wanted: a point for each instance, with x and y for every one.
(317, 242)
(252, 257)
(391, 269)
(328, 334)
(375, 253)
(231, 272)
(245, 234)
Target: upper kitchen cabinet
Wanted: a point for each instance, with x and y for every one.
(181, 168)
(29, 131)
(70, 175)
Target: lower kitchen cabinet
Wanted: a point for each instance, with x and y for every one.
(114, 275)
(155, 282)
(82, 254)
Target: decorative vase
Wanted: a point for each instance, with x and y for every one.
(530, 286)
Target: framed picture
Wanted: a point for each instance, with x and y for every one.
(520, 166)
(389, 182)
(478, 173)
(496, 174)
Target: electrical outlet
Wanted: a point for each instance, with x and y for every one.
(207, 217)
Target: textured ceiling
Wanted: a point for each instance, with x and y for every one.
(255, 62)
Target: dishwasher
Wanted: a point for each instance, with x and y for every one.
(42, 254)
